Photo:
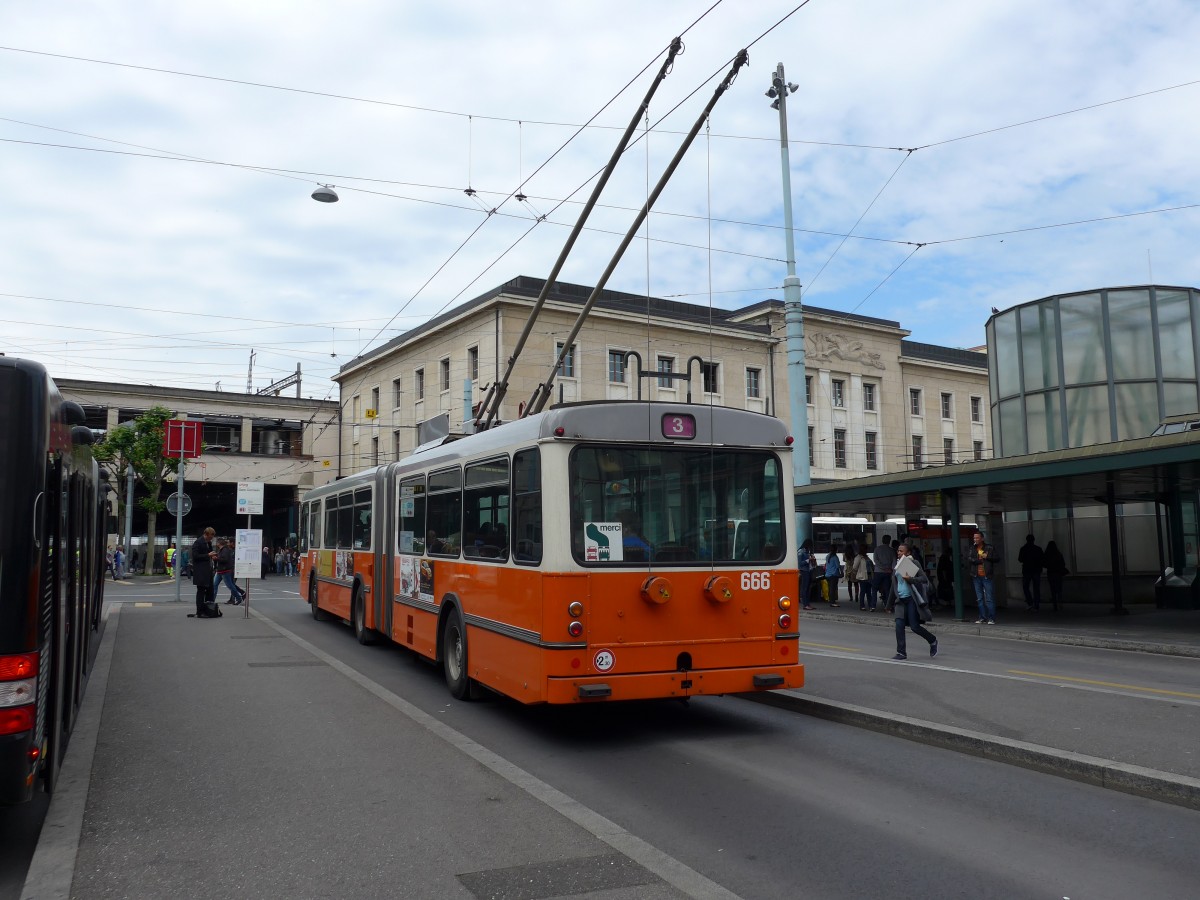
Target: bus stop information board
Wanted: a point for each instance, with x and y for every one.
(247, 553)
(250, 496)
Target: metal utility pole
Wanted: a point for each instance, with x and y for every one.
(793, 311)
(250, 374)
(128, 513)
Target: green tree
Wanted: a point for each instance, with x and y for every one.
(139, 443)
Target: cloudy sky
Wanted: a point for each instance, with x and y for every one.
(158, 159)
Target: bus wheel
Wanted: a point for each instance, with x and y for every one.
(362, 633)
(454, 656)
(317, 613)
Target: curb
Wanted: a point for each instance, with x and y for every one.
(1179, 790)
(1015, 633)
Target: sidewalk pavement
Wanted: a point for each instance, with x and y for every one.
(231, 758)
(1110, 739)
(1145, 628)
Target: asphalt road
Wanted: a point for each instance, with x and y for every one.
(767, 803)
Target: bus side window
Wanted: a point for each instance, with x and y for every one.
(411, 538)
(345, 521)
(305, 512)
(485, 510)
(444, 508)
(361, 527)
(331, 516)
(314, 524)
(526, 532)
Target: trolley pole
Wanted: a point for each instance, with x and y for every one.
(793, 314)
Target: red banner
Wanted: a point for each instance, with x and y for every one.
(181, 437)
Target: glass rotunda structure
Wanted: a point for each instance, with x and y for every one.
(1086, 368)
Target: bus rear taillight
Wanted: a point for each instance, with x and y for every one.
(19, 665)
(14, 721)
(575, 629)
(785, 621)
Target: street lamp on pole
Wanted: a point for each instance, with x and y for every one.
(793, 311)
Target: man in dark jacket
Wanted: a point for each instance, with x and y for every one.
(1030, 558)
(202, 571)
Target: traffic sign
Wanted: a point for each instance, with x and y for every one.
(173, 504)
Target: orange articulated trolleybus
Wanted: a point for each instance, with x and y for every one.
(581, 554)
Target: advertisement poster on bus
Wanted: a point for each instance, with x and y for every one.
(408, 577)
(426, 580)
(602, 542)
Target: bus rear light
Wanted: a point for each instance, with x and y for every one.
(14, 721)
(34, 754)
(785, 603)
(789, 440)
(17, 693)
(575, 610)
(575, 629)
(20, 665)
(559, 431)
(785, 621)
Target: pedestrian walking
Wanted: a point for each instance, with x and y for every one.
(170, 559)
(1056, 570)
(134, 558)
(1031, 559)
(833, 572)
(911, 587)
(203, 555)
(885, 563)
(224, 573)
(981, 560)
(119, 562)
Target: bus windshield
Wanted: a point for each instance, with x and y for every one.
(675, 505)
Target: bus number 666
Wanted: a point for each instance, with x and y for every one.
(756, 581)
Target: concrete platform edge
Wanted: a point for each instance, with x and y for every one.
(52, 869)
(1178, 790)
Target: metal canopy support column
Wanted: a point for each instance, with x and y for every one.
(956, 554)
(1114, 549)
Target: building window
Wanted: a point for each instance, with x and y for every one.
(918, 443)
(839, 447)
(808, 389)
(947, 408)
(419, 384)
(473, 363)
(396, 392)
(948, 450)
(979, 449)
(914, 401)
(976, 409)
(444, 371)
(374, 451)
(666, 365)
(869, 397)
(616, 366)
(753, 379)
(839, 392)
(354, 409)
(872, 454)
(710, 374)
(812, 453)
(567, 368)
(396, 446)
(374, 402)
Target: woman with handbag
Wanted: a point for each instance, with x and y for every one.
(911, 585)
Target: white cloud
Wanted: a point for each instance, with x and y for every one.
(177, 239)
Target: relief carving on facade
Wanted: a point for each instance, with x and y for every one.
(830, 345)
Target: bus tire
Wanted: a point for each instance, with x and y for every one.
(317, 613)
(358, 614)
(454, 655)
